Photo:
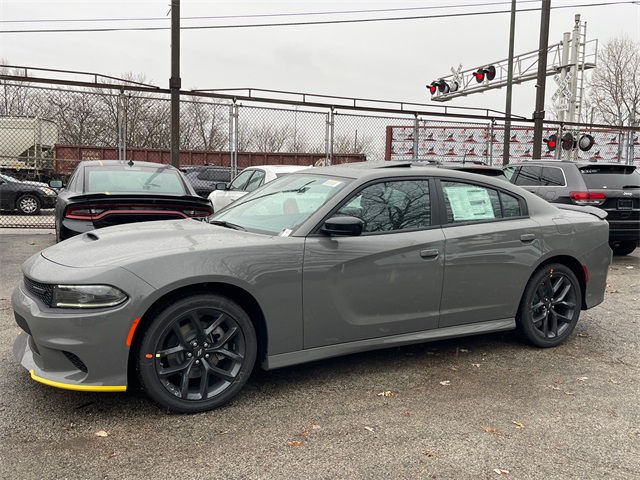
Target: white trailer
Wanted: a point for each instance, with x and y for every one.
(26, 145)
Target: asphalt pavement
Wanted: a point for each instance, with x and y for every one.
(473, 408)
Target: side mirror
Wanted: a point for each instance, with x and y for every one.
(55, 183)
(221, 186)
(343, 225)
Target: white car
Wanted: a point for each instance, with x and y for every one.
(248, 180)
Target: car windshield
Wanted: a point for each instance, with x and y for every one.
(8, 178)
(611, 176)
(124, 178)
(280, 206)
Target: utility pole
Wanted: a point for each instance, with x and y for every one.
(538, 114)
(507, 108)
(175, 83)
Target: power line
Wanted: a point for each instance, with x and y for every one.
(324, 22)
(226, 17)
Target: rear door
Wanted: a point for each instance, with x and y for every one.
(491, 246)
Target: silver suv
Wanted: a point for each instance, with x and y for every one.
(613, 187)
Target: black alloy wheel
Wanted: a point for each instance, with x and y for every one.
(550, 306)
(197, 353)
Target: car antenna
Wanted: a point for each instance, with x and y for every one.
(130, 163)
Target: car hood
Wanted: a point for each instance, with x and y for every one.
(124, 244)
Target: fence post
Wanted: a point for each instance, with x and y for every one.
(490, 139)
(416, 129)
(233, 138)
(329, 137)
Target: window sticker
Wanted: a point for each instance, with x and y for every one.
(286, 232)
(332, 183)
(469, 203)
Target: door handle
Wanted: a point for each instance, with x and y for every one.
(430, 253)
(527, 237)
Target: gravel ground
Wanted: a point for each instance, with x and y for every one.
(473, 408)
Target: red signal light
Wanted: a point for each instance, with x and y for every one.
(552, 142)
(486, 72)
(567, 141)
(433, 88)
(478, 75)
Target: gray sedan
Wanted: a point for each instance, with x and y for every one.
(320, 263)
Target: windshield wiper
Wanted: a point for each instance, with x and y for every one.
(233, 226)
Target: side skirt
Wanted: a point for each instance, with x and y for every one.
(312, 354)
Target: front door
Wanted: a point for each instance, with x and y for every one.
(384, 282)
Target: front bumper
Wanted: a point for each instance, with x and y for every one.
(76, 349)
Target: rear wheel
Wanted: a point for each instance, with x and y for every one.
(550, 307)
(624, 247)
(28, 205)
(197, 353)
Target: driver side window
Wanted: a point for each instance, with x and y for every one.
(391, 206)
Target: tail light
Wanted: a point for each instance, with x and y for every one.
(588, 198)
(83, 213)
(95, 212)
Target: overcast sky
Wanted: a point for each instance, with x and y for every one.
(386, 60)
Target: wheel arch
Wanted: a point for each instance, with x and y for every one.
(576, 268)
(233, 292)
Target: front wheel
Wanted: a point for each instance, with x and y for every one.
(550, 306)
(197, 353)
(28, 205)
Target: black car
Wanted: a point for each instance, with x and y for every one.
(110, 192)
(27, 198)
(204, 178)
(613, 187)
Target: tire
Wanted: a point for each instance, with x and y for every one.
(28, 205)
(550, 306)
(196, 354)
(624, 247)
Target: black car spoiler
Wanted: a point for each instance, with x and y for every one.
(598, 212)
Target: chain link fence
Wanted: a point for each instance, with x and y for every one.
(46, 129)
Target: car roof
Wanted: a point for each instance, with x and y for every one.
(123, 163)
(278, 168)
(580, 163)
(372, 169)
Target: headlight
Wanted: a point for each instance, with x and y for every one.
(86, 296)
(47, 191)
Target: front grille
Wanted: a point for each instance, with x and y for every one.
(73, 358)
(41, 291)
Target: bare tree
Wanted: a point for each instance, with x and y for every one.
(79, 116)
(356, 143)
(271, 138)
(204, 125)
(20, 98)
(615, 84)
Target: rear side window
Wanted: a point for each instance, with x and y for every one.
(552, 177)
(529, 176)
(469, 203)
(611, 176)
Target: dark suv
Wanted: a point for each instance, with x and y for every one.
(613, 187)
